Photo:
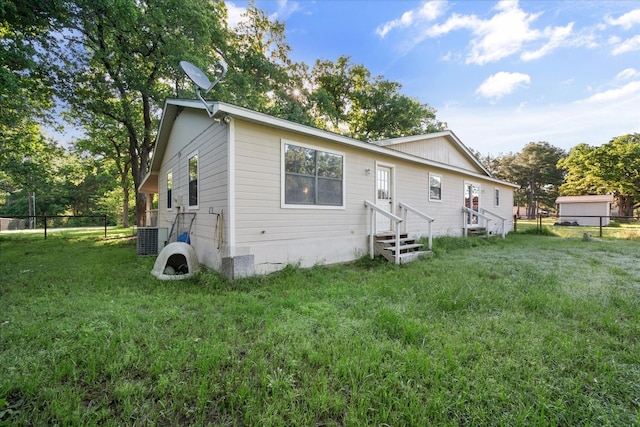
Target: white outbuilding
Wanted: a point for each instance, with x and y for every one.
(585, 210)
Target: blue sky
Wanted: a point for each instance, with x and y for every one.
(500, 73)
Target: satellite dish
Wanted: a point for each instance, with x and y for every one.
(202, 82)
(196, 75)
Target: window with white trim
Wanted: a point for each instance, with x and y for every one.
(496, 197)
(193, 180)
(312, 177)
(435, 187)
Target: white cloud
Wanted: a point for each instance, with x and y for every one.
(455, 22)
(614, 40)
(623, 92)
(628, 74)
(404, 21)
(432, 10)
(627, 20)
(428, 12)
(234, 14)
(502, 35)
(557, 36)
(285, 9)
(506, 33)
(447, 57)
(501, 84)
(628, 45)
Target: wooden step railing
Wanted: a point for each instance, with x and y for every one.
(395, 246)
(503, 231)
(375, 210)
(484, 229)
(405, 209)
(465, 223)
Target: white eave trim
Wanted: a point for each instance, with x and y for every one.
(220, 109)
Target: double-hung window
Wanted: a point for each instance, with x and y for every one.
(312, 177)
(435, 187)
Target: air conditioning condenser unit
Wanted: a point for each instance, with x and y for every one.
(151, 240)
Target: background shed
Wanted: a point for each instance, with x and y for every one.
(585, 210)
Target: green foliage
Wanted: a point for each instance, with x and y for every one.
(612, 168)
(25, 80)
(119, 65)
(544, 334)
(25, 92)
(544, 231)
(113, 203)
(62, 182)
(348, 100)
(261, 76)
(622, 230)
(113, 63)
(580, 178)
(534, 169)
(445, 244)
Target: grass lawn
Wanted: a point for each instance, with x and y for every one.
(531, 330)
(615, 230)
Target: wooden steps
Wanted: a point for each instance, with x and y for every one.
(477, 232)
(386, 245)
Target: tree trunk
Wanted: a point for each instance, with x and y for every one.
(625, 205)
(141, 209)
(125, 206)
(532, 206)
(140, 156)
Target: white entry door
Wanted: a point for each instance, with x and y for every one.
(384, 198)
(472, 201)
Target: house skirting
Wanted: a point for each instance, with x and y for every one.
(238, 267)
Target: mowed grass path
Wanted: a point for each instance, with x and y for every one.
(531, 330)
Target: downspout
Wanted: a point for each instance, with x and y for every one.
(231, 185)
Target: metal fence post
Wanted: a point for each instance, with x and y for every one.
(601, 226)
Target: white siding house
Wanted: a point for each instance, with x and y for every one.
(585, 210)
(267, 192)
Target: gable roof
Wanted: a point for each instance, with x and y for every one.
(600, 198)
(448, 134)
(172, 108)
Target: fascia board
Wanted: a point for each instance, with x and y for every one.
(221, 109)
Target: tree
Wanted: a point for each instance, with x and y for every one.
(499, 166)
(121, 58)
(347, 100)
(257, 55)
(619, 162)
(24, 77)
(80, 183)
(581, 175)
(261, 75)
(107, 143)
(31, 170)
(612, 168)
(25, 91)
(535, 170)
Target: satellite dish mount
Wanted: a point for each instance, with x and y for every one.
(202, 82)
